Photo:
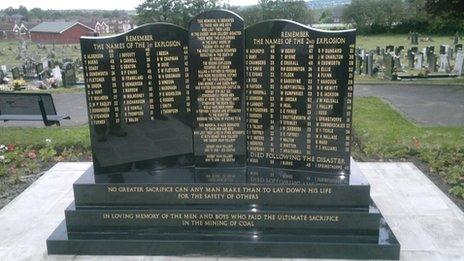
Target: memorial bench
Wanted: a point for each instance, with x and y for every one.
(29, 107)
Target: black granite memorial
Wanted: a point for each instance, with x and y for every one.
(222, 141)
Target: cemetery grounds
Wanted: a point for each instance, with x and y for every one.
(380, 132)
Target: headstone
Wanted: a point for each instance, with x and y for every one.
(459, 63)
(16, 73)
(50, 64)
(458, 47)
(419, 61)
(270, 130)
(38, 68)
(365, 64)
(359, 64)
(68, 74)
(397, 63)
(212, 79)
(456, 38)
(370, 64)
(377, 50)
(414, 49)
(138, 101)
(415, 38)
(410, 56)
(389, 48)
(56, 72)
(442, 49)
(444, 65)
(2, 76)
(432, 62)
(389, 65)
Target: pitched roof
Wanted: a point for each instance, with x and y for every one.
(55, 27)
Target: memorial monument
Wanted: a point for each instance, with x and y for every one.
(225, 141)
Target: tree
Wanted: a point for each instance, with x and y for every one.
(447, 15)
(174, 11)
(286, 9)
(160, 11)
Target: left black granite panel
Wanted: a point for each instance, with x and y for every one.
(138, 99)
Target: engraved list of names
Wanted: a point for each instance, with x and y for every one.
(299, 86)
(137, 96)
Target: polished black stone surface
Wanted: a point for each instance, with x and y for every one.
(299, 84)
(227, 244)
(228, 218)
(254, 186)
(138, 102)
(218, 96)
(222, 141)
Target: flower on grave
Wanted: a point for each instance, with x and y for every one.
(48, 140)
(2, 147)
(10, 147)
(32, 154)
(2, 158)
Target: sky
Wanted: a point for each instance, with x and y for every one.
(89, 4)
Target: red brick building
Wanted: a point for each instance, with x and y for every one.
(59, 32)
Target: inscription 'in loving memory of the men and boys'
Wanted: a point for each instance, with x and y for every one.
(295, 113)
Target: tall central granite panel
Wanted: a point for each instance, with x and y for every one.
(222, 141)
(216, 46)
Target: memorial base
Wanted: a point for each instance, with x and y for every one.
(181, 214)
(227, 245)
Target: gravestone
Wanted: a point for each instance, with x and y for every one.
(365, 64)
(432, 62)
(458, 47)
(359, 64)
(185, 162)
(389, 48)
(418, 61)
(38, 68)
(459, 63)
(397, 63)
(56, 72)
(442, 49)
(410, 56)
(15, 73)
(414, 49)
(377, 50)
(414, 38)
(2, 76)
(370, 64)
(68, 74)
(388, 66)
(444, 64)
(456, 38)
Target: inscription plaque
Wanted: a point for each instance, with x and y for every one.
(299, 84)
(138, 100)
(216, 73)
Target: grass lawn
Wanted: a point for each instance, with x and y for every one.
(9, 51)
(61, 137)
(369, 42)
(364, 79)
(383, 133)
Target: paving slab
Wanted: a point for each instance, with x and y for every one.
(426, 222)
